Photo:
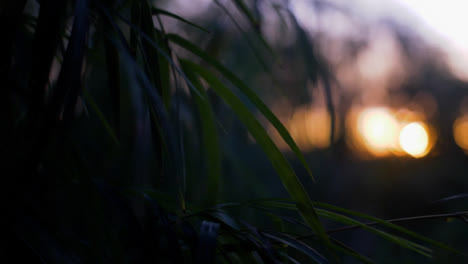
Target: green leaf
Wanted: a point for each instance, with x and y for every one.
(69, 80)
(282, 203)
(279, 162)
(113, 83)
(285, 205)
(299, 245)
(140, 80)
(349, 221)
(245, 10)
(386, 224)
(209, 135)
(101, 117)
(254, 23)
(148, 39)
(392, 238)
(255, 52)
(349, 251)
(248, 93)
(158, 67)
(169, 14)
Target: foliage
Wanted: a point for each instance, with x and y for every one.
(94, 146)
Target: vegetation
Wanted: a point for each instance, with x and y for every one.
(113, 151)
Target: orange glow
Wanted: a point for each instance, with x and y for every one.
(318, 127)
(460, 132)
(414, 139)
(381, 131)
(309, 127)
(378, 129)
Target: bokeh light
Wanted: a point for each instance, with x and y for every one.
(382, 131)
(379, 130)
(309, 127)
(460, 132)
(414, 139)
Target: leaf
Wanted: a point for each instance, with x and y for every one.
(266, 247)
(290, 206)
(321, 212)
(316, 69)
(245, 10)
(346, 220)
(291, 259)
(279, 162)
(397, 240)
(46, 41)
(247, 91)
(209, 135)
(453, 197)
(113, 81)
(157, 68)
(255, 52)
(169, 14)
(156, 46)
(349, 251)
(254, 23)
(299, 245)
(102, 118)
(135, 16)
(154, 99)
(69, 80)
(337, 245)
(387, 224)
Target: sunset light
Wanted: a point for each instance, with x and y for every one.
(414, 139)
(379, 129)
(460, 132)
(382, 131)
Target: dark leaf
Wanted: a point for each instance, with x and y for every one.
(279, 162)
(247, 91)
(169, 14)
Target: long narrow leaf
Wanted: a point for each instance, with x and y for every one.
(209, 134)
(153, 96)
(113, 83)
(255, 52)
(397, 240)
(101, 117)
(349, 251)
(349, 221)
(290, 206)
(387, 224)
(299, 245)
(279, 162)
(247, 91)
(286, 204)
(160, 50)
(254, 22)
(169, 14)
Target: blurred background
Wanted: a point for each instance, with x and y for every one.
(375, 94)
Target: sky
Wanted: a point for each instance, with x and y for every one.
(440, 23)
(447, 20)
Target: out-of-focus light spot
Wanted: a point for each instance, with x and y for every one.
(378, 129)
(414, 139)
(309, 127)
(460, 132)
(318, 127)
